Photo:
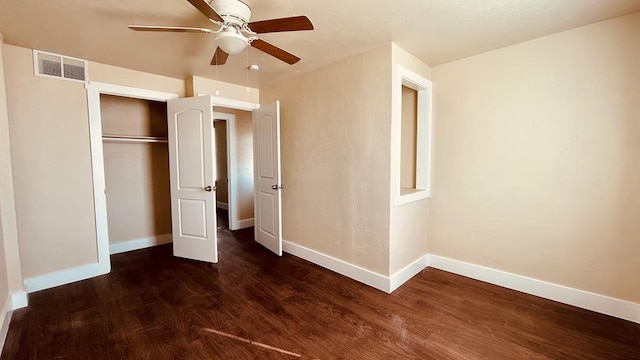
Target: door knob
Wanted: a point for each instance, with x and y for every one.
(276, 187)
(208, 188)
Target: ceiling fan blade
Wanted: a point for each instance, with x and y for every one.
(220, 57)
(206, 9)
(169, 28)
(275, 51)
(295, 23)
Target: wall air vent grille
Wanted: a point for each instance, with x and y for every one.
(58, 66)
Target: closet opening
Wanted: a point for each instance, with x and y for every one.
(136, 169)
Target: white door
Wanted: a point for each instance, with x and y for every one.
(192, 175)
(268, 183)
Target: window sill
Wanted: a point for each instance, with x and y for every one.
(409, 195)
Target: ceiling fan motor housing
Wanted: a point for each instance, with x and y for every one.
(232, 11)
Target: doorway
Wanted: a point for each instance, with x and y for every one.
(94, 92)
(222, 172)
(234, 165)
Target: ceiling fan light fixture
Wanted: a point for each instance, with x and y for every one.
(231, 42)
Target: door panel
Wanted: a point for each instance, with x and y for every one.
(191, 150)
(265, 141)
(266, 157)
(267, 205)
(193, 218)
(192, 173)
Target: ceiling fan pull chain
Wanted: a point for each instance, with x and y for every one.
(247, 68)
(217, 90)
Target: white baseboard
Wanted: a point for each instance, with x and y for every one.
(63, 277)
(6, 320)
(406, 273)
(136, 244)
(19, 300)
(599, 303)
(222, 205)
(595, 302)
(242, 224)
(354, 272)
(13, 302)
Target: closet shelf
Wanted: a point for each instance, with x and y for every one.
(134, 139)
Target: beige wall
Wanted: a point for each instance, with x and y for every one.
(136, 174)
(51, 167)
(243, 137)
(4, 272)
(50, 151)
(8, 223)
(335, 158)
(402, 57)
(407, 224)
(244, 163)
(10, 271)
(408, 234)
(137, 79)
(222, 190)
(5, 153)
(136, 117)
(537, 159)
(200, 86)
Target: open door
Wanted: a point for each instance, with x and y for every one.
(267, 178)
(192, 175)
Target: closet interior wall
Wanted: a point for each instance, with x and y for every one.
(136, 164)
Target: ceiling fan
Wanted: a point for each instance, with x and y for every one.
(235, 32)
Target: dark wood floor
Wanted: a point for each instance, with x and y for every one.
(254, 305)
(222, 218)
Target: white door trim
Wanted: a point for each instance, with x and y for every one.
(94, 89)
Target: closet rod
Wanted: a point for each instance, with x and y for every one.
(134, 139)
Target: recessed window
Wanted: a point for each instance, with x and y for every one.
(411, 136)
(408, 138)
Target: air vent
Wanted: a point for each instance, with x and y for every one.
(58, 66)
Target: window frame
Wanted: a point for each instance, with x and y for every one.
(424, 88)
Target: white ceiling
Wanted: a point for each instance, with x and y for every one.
(436, 31)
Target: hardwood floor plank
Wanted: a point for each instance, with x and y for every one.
(255, 305)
